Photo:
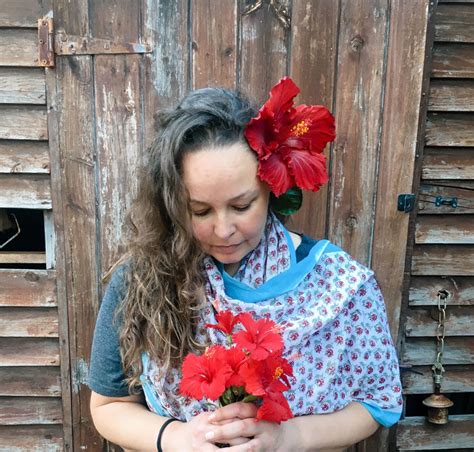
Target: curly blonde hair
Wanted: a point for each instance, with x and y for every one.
(165, 284)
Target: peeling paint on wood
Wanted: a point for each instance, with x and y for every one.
(32, 438)
(24, 157)
(30, 381)
(444, 229)
(417, 434)
(29, 352)
(22, 86)
(424, 289)
(18, 47)
(25, 191)
(454, 260)
(23, 123)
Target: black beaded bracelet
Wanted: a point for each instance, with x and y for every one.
(160, 433)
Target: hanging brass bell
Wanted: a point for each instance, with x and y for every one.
(438, 405)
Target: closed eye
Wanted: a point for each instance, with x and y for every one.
(241, 208)
(201, 213)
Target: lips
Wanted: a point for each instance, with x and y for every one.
(226, 249)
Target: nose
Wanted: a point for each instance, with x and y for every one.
(224, 227)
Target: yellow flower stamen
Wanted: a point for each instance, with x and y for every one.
(300, 129)
(278, 372)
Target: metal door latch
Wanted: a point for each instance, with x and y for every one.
(453, 202)
(406, 202)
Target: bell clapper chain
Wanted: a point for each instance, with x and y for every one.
(437, 403)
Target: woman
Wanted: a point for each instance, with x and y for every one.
(207, 240)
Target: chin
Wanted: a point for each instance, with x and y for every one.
(226, 259)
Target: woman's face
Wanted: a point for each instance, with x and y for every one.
(228, 201)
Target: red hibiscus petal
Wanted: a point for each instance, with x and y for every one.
(308, 169)
(234, 358)
(260, 133)
(205, 375)
(281, 97)
(191, 388)
(275, 408)
(226, 321)
(274, 172)
(260, 338)
(214, 389)
(254, 374)
(317, 126)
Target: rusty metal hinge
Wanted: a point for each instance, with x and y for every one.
(64, 44)
(83, 45)
(45, 41)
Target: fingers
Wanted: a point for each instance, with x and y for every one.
(237, 441)
(239, 410)
(252, 445)
(241, 428)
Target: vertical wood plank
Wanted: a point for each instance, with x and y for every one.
(115, 20)
(263, 52)
(407, 49)
(78, 162)
(313, 67)
(76, 172)
(398, 148)
(60, 292)
(119, 136)
(166, 70)
(49, 239)
(118, 113)
(118, 120)
(214, 43)
(362, 43)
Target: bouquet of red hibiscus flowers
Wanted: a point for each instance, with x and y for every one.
(250, 369)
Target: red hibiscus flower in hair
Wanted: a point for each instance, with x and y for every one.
(289, 141)
(260, 338)
(204, 376)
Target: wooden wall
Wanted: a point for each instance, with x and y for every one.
(442, 239)
(33, 396)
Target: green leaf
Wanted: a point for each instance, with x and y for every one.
(250, 398)
(287, 203)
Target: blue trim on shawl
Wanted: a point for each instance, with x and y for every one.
(150, 395)
(383, 416)
(291, 246)
(281, 283)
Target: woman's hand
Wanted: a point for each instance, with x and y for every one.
(194, 434)
(236, 422)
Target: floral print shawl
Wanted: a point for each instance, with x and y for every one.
(334, 323)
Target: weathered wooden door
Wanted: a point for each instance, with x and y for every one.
(350, 55)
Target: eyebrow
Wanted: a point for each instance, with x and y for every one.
(250, 193)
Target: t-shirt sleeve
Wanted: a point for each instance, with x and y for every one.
(106, 375)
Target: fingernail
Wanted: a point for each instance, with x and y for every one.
(209, 435)
(212, 416)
